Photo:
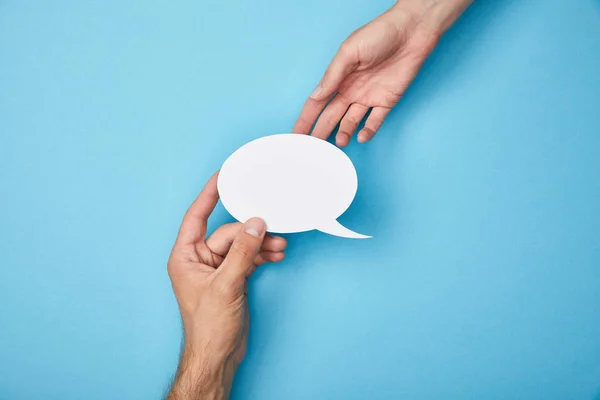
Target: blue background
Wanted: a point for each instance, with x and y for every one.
(482, 191)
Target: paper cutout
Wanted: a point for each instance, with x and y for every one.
(294, 182)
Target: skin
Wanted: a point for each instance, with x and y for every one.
(373, 68)
(209, 278)
(370, 72)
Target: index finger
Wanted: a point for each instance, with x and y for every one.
(193, 226)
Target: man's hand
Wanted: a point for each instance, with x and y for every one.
(209, 280)
(374, 67)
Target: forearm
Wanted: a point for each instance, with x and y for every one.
(201, 378)
(437, 16)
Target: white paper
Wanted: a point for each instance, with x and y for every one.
(294, 182)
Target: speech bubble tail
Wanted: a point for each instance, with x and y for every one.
(337, 229)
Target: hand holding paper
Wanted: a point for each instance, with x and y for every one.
(311, 183)
(209, 278)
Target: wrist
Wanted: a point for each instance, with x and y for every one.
(211, 350)
(200, 377)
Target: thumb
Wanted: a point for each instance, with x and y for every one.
(242, 253)
(341, 66)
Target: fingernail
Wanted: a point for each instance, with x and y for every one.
(255, 227)
(317, 91)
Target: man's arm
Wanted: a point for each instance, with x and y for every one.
(198, 379)
(209, 280)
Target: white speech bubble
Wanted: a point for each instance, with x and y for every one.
(295, 183)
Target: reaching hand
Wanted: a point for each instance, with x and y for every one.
(374, 67)
(209, 280)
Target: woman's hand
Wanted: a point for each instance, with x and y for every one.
(374, 67)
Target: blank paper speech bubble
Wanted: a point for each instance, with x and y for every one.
(295, 183)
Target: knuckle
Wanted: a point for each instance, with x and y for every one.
(350, 121)
(305, 122)
(391, 99)
(346, 50)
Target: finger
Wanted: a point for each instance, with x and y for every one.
(261, 258)
(350, 123)
(373, 123)
(269, 256)
(241, 255)
(193, 227)
(311, 110)
(344, 62)
(274, 243)
(330, 117)
(265, 257)
(220, 241)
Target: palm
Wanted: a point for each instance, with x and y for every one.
(377, 80)
(373, 87)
